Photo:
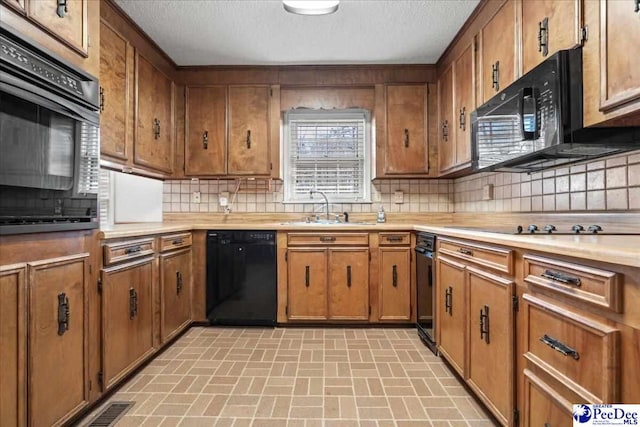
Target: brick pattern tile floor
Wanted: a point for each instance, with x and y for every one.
(298, 377)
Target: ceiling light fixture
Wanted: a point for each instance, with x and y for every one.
(311, 7)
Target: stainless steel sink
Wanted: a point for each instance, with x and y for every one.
(325, 222)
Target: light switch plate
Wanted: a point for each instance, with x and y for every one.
(195, 197)
(398, 197)
(223, 198)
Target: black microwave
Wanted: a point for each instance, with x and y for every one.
(49, 140)
(536, 122)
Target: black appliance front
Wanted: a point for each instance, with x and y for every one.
(241, 278)
(425, 288)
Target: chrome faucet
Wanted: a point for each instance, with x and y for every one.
(326, 200)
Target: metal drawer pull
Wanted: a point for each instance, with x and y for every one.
(637, 8)
(394, 273)
(561, 277)
(406, 138)
(133, 303)
(63, 313)
(394, 238)
(249, 138)
(543, 36)
(547, 425)
(348, 276)
(205, 140)
(484, 323)
(560, 347)
(62, 9)
(448, 301)
(327, 239)
(306, 276)
(178, 282)
(133, 250)
(178, 241)
(465, 251)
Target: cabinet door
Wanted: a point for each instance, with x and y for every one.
(464, 84)
(248, 144)
(57, 370)
(127, 310)
(206, 132)
(451, 311)
(544, 406)
(547, 27)
(12, 352)
(394, 282)
(349, 284)
(16, 4)
(406, 143)
(175, 284)
(68, 23)
(620, 32)
(154, 122)
(307, 277)
(491, 342)
(446, 131)
(498, 51)
(116, 66)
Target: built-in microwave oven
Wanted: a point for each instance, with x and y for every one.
(49, 140)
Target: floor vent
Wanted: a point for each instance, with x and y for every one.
(112, 413)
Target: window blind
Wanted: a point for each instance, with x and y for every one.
(327, 151)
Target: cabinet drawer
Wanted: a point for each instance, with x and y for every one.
(394, 239)
(599, 288)
(175, 241)
(544, 405)
(327, 239)
(493, 257)
(581, 352)
(130, 249)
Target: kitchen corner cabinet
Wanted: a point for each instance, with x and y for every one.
(611, 81)
(12, 352)
(406, 148)
(497, 43)
(154, 129)
(67, 21)
(394, 277)
(58, 339)
(547, 27)
(446, 130)
(175, 285)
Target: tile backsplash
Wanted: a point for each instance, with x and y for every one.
(611, 184)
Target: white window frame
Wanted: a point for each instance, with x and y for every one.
(329, 115)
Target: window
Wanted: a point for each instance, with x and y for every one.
(327, 151)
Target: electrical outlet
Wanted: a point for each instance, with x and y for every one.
(223, 198)
(195, 197)
(398, 197)
(487, 192)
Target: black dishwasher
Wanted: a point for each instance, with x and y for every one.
(241, 278)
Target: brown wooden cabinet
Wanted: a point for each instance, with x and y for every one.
(348, 286)
(13, 314)
(544, 406)
(175, 290)
(446, 130)
(67, 22)
(307, 284)
(205, 130)
(406, 150)
(58, 339)
(116, 102)
(394, 283)
(547, 27)
(18, 5)
(154, 130)
(127, 318)
(451, 312)
(497, 43)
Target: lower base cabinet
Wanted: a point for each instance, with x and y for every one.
(542, 405)
(395, 283)
(175, 287)
(127, 318)
(451, 306)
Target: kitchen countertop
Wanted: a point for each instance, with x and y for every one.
(616, 249)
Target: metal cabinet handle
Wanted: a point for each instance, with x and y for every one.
(557, 276)
(132, 250)
(560, 347)
(64, 313)
(445, 130)
(406, 138)
(637, 8)
(101, 99)
(495, 76)
(205, 140)
(133, 303)
(448, 301)
(547, 425)
(156, 128)
(249, 138)
(484, 323)
(394, 274)
(394, 238)
(178, 241)
(178, 282)
(348, 276)
(62, 9)
(306, 276)
(327, 239)
(543, 36)
(463, 122)
(465, 251)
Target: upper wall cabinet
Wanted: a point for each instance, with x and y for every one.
(610, 63)
(230, 130)
(402, 130)
(498, 60)
(549, 26)
(446, 141)
(64, 19)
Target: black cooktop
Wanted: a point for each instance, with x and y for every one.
(534, 229)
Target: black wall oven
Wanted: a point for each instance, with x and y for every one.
(49, 140)
(425, 288)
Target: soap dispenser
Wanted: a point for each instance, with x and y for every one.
(382, 216)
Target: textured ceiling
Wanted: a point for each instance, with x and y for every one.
(250, 32)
